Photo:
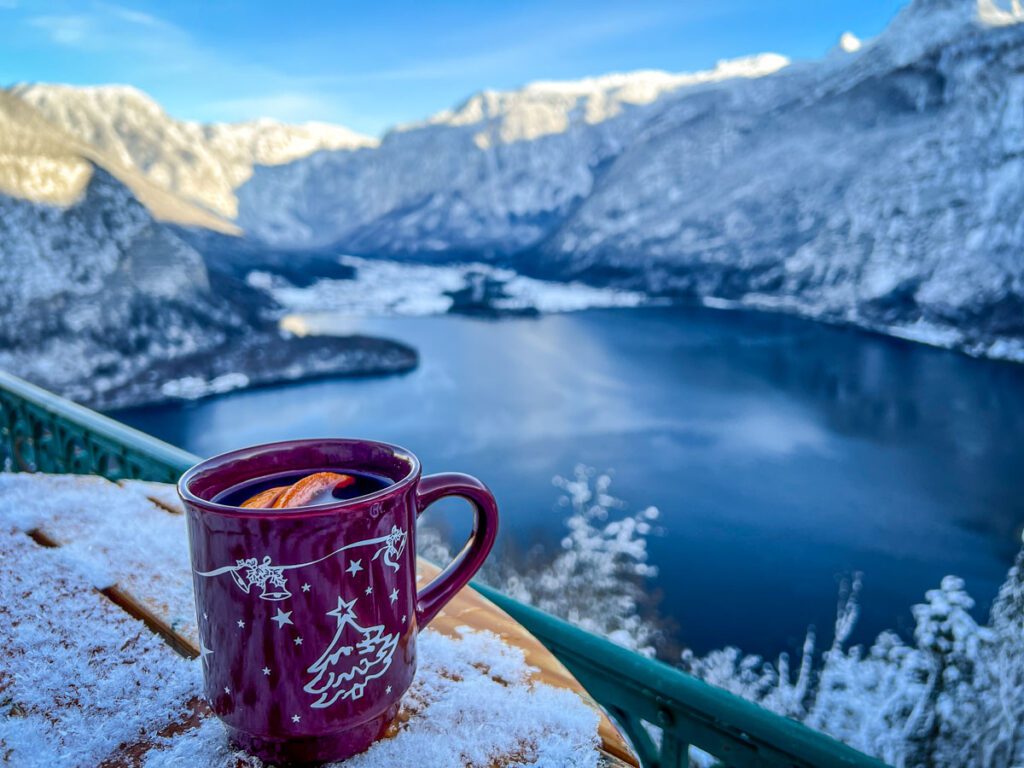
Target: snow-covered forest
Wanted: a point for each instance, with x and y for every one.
(951, 696)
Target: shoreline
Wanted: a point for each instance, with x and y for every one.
(268, 357)
(998, 349)
(388, 357)
(474, 287)
(261, 360)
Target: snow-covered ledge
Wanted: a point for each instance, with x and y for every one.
(88, 683)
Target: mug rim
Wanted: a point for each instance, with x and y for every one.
(214, 462)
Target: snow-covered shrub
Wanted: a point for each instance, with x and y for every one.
(596, 579)
(952, 698)
(995, 737)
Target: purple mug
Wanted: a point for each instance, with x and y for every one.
(308, 616)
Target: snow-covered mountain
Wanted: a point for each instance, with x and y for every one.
(881, 185)
(92, 288)
(199, 163)
(104, 303)
(496, 174)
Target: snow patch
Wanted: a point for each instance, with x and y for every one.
(195, 387)
(464, 688)
(849, 42)
(383, 287)
(473, 701)
(80, 677)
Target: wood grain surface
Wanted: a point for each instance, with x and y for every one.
(467, 609)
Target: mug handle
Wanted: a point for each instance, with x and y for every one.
(433, 597)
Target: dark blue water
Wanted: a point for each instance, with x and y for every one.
(782, 453)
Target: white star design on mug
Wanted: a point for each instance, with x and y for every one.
(203, 650)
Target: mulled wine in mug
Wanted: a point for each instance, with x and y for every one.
(304, 564)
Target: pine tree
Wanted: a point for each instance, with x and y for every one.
(1000, 739)
(952, 643)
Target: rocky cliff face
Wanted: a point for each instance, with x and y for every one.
(103, 303)
(879, 186)
(93, 290)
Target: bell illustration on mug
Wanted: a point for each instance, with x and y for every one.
(270, 579)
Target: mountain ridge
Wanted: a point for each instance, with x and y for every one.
(199, 163)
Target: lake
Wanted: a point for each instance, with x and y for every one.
(783, 454)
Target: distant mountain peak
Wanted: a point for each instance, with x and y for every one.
(202, 164)
(545, 107)
(997, 9)
(926, 25)
(110, 96)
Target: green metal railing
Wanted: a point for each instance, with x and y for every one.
(41, 432)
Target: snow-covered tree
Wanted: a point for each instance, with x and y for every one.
(597, 579)
(998, 739)
(951, 642)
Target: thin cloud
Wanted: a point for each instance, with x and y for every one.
(137, 17)
(162, 51)
(111, 28)
(72, 30)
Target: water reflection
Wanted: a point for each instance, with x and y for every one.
(782, 453)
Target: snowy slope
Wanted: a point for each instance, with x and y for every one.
(91, 287)
(97, 291)
(103, 303)
(881, 188)
(880, 185)
(41, 163)
(202, 164)
(495, 174)
(70, 227)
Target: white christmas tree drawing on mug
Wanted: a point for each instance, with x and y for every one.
(344, 669)
(249, 572)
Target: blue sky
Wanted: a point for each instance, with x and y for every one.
(370, 65)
